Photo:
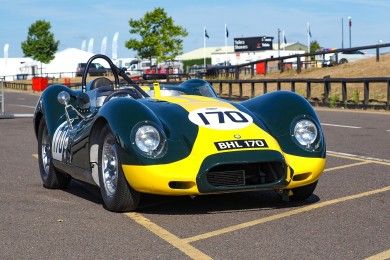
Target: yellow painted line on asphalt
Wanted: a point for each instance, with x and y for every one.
(358, 158)
(381, 256)
(283, 215)
(164, 234)
(345, 166)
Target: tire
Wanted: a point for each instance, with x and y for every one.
(51, 178)
(304, 192)
(117, 194)
(343, 61)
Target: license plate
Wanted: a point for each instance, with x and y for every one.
(240, 144)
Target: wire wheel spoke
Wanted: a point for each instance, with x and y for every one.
(109, 166)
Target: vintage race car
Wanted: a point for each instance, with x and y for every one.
(175, 140)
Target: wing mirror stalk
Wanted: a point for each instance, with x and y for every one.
(64, 98)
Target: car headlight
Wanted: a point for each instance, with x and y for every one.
(149, 141)
(305, 132)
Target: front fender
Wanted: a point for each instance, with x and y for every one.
(279, 111)
(51, 110)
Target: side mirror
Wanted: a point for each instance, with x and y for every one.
(63, 98)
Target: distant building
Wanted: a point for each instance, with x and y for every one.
(222, 54)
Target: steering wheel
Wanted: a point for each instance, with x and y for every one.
(120, 93)
(99, 56)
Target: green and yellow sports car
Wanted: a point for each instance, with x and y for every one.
(175, 140)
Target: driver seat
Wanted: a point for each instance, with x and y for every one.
(100, 82)
(99, 89)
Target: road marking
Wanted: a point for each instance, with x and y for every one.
(355, 111)
(35, 155)
(17, 105)
(344, 126)
(380, 256)
(346, 166)
(164, 234)
(283, 215)
(23, 115)
(359, 157)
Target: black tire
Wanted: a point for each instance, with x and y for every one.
(119, 197)
(343, 61)
(51, 178)
(304, 192)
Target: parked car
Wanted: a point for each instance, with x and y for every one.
(345, 57)
(96, 69)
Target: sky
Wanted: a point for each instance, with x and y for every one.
(76, 20)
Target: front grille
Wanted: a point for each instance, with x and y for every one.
(236, 175)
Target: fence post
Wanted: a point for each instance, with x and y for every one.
(220, 88)
(344, 91)
(366, 92)
(240, 89)
(252, 70)
(388, 95)
(377, 54)
(293, 86)
(326, 91)
(230, 89)
(252, 89)
(237, 72)
(308, 89)
(299, 65)
(281, 65)
(2, 94)
(278, 85)
(265, 87)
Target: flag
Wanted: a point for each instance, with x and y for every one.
(284, 38)
(227, 32)
(205, 34)
(308, 30)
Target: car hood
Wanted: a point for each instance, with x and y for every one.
(215, 123)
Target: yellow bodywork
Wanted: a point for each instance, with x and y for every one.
(156, 178)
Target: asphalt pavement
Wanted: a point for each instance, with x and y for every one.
(346, 218)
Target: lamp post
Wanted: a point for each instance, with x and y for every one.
(350, 28)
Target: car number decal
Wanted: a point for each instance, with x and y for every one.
(240, 144)
(60, 142)
(220, 118)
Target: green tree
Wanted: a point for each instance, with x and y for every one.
(40, 43)
(314, 46)
(159, 37)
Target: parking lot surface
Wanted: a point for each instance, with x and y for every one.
(346, 218)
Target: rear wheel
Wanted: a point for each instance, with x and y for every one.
(117, 194)
(304, 192)
(51, 178)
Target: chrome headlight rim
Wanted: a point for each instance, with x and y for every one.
(315, 144)
(160, 149)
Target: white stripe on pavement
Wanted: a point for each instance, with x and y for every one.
(17, 105)
(345, 126)
(23, 115)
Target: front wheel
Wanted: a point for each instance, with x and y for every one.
(304, 192)
(117, 195)
(51, 178)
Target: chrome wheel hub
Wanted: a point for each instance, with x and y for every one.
(45, 152)
(109, 166)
